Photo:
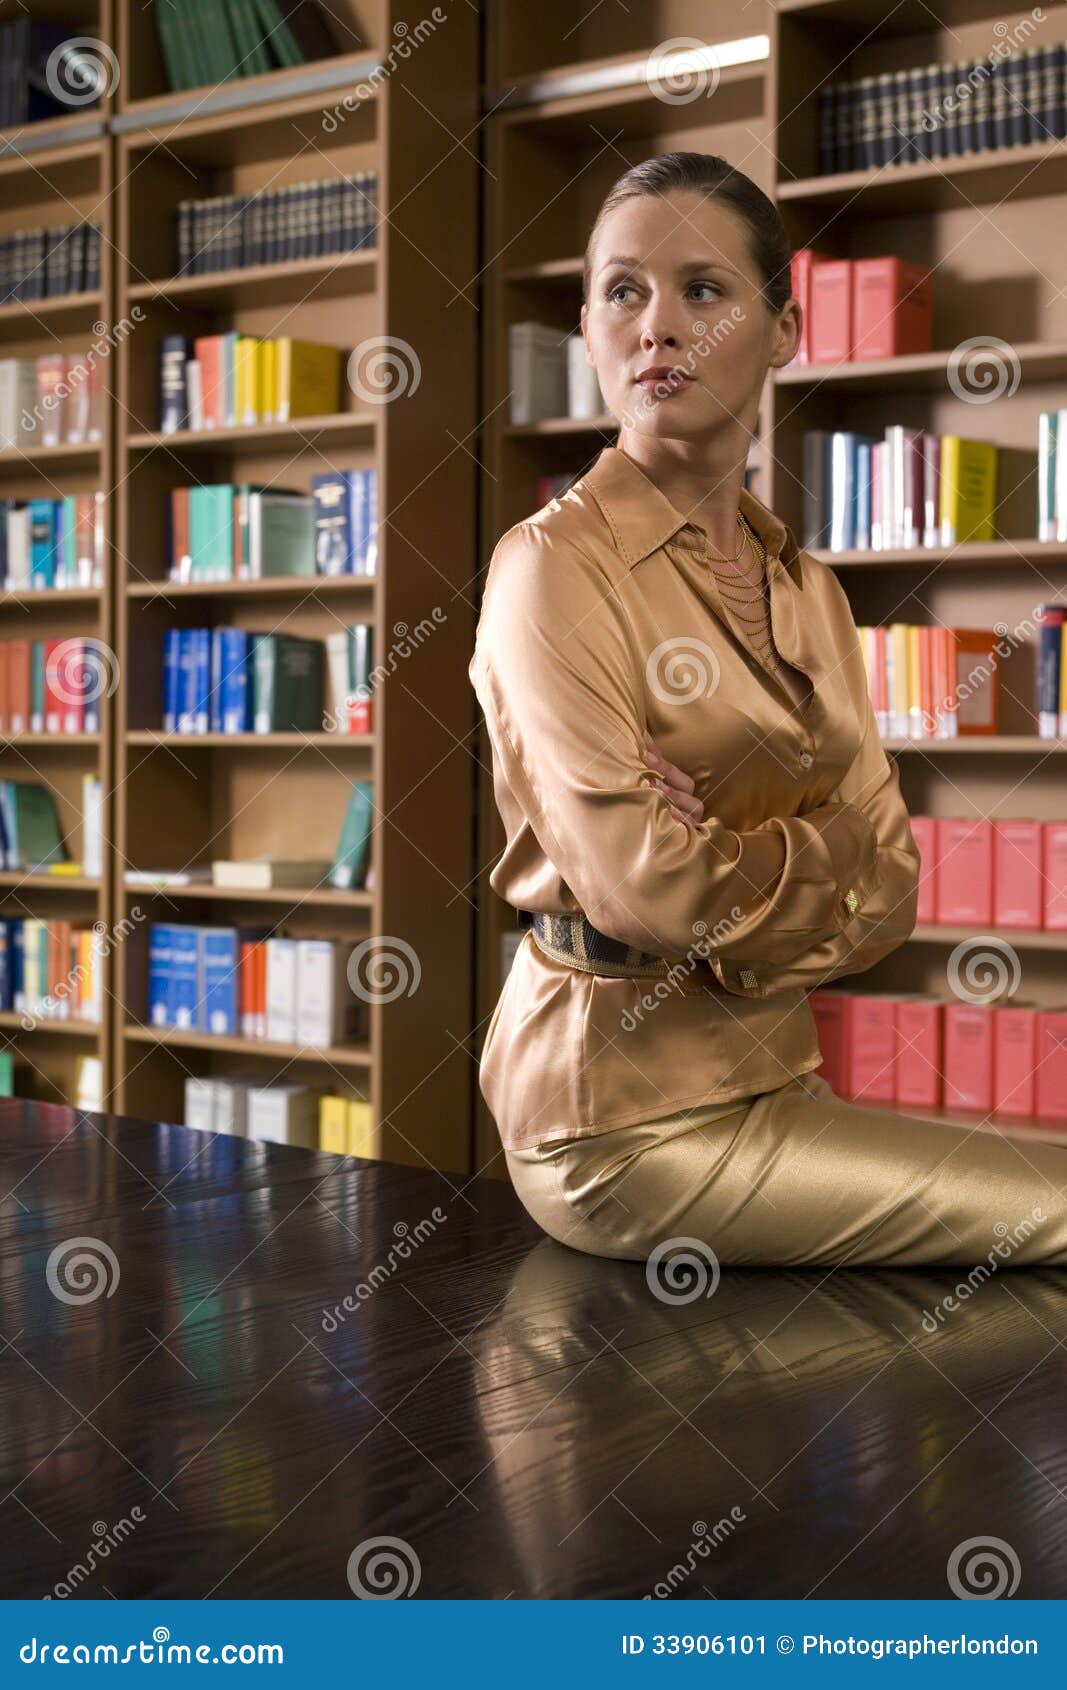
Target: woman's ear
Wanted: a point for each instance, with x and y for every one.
(787, 329)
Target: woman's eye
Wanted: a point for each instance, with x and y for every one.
(620, 287)
(714, 285)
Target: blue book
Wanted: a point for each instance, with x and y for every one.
(18, 964)
(184, 994)
(43, 542)
(202, 663)
(159, 953)
(95, 684)
(215, 698)
(171, 679)
(861, 538)
(6, 999)
(334, 535)
(218, 960)
(186, 692)
(7, 843)
(358, 520)
(370, 549)
(236, 691)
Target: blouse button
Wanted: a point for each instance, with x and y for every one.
(806, 759)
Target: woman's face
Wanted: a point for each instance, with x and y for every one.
(674, 287)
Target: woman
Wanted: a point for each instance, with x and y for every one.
(699, 811)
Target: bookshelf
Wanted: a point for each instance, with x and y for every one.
(560, 129)
(193, 797)
(55, 172)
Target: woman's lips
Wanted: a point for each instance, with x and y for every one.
(664, 385)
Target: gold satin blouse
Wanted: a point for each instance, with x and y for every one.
(601, 616)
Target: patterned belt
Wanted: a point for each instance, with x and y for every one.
(573, 939)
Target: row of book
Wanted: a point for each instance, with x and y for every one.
(549, 375)
(51, 970)
(1052, 475)
(214, 40)
(52, 543)
(54, 400)
(860, 308)
(224, 531)
(233, 380)
(29, 89)
(906, 490)
(236, 982)
(277, 225)
(932, 683)
(943, 110)
(351, 869)
(927, 1052)
(281, 1113)
(236, 681)
(1007, 872)
(30, 835)
(52, 686)
(47, 263)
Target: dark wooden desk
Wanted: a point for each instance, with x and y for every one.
(532, 1421)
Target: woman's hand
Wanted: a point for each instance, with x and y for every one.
(677, 786)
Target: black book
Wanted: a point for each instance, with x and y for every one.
(1036, 128)
(982, 100)
(1056, 90)
(828, 131)
(174, 350)
(816, 507)
(92, 257)
(966, 99)
(1018, 122)
(999, 125)
(865, 123)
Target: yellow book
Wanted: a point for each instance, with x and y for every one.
(968, 489)
(266, 364)
(332, 1120)
(309, 379)
(896, 651)
(244, 370)
(64, 868)
(915, 696)
(361, 1138)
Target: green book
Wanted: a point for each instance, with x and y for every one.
(191, 24)
(252, 54)
(168, 29)
(37, 687)
(281, 534)
(279, 37)
(350, 862)
(211, 532)
(288, 680)
(7, 1074)
(37, 840)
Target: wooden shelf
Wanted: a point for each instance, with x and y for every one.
(328, 897)
(267, 435)
(265, 588)
(16, 458)
(50, 741)
(338, 1056)
(29, 315)
(968, 555)
(23, 880)
(1039, 167)
(1022, 938)
(50, 597)
(1038, 361)
(983, 1120)
(267, 284)
(49, 1024)
(981, 745)
(254, 741)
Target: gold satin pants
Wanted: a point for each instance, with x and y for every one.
(800, 1176)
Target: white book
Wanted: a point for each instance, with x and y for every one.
(321, 988)
(1047, 430)
(199, 1103)
(92, 826)
(337, 678)
(231, 1107)
(1061, 475)
(284, 1114)
(584, 398)
(19, 575)
(537, 366)
(281, 990)
(193, 393)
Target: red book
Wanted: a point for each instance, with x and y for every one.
(831, 312)
(1055, 870)
(800, 272)
(872, 1046)
(51, 376)
(830, 1010)
(5, 706)
(926, 681)
(918, 1051)
(208, 349)
(945, 699)
(892, 308)
(879, 681)
(1018, 877)
(180, 555)
(968, 1056)
(974, 679)
(18, 686)
(1014, 1060)
(924, 833)
(1052, 1064)
(64, 682)
(964, 872)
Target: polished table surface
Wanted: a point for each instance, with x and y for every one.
(190, 1410)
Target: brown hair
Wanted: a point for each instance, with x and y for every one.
(713, 177)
